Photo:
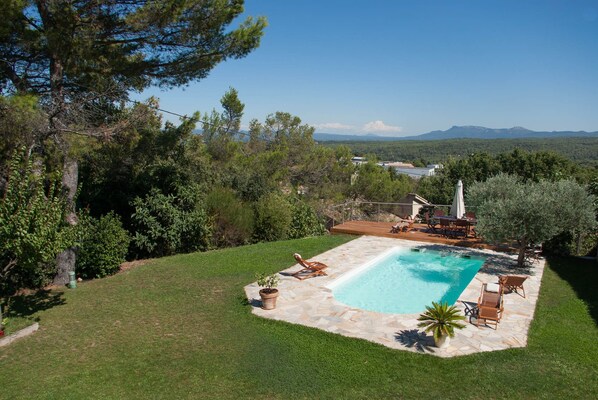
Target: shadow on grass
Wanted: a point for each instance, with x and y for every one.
(24, 306)
(582, 275)
(249, 302)
(415, 339)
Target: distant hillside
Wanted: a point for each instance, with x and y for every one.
(480, 132)
(460, 132)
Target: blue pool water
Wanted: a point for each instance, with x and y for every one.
(405, 281)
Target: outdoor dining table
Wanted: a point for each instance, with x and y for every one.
(453, 222)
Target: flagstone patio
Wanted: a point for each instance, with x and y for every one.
(311, 303)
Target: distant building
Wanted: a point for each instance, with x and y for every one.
(417, 172)
(411, 204)
(397, 164)
(359, 160)
(402, 168)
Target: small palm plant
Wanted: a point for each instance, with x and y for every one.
(442, 320)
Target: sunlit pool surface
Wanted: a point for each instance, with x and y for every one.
(406, 281)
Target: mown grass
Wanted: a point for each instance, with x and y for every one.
(179, 327)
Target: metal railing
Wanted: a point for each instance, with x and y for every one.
(374, 211)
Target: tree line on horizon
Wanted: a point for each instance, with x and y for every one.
(582, 150)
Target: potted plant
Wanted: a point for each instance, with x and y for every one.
(268, 293)
(442, 320)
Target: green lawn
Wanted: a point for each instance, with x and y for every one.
(179, 327)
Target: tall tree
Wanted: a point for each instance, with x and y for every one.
(509, 209)
(69, 50)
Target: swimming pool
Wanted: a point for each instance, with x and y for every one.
(404, 281)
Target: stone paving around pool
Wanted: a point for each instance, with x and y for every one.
(311, 303)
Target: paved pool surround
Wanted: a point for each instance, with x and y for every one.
(311, 303)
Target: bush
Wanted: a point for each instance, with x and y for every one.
(167, 224)
(103, 245)
(566, 244)
(304, 221)
(233, 220)
(32, 228)
(272, 218)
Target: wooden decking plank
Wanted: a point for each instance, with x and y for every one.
(419, 234)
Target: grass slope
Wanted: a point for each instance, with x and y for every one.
(179, 327)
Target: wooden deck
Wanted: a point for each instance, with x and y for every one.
(420, 233)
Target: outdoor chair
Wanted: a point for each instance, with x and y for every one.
(513, 282)
(431, 222)
(470, 215)
(310, 268)
(438, 213)
(462, 226)
(404, 225)
(490, 305)
(445, 227)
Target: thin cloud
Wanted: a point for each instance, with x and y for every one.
(380, 126)
(334, 126)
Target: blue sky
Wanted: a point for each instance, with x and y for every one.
(408, 67)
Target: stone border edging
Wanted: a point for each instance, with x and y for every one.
(5, 341)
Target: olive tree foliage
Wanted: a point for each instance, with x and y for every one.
(508, 209)
(32, 227)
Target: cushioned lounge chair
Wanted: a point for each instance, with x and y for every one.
(404, 225)
(310, 268)
(490, 304)
(513, 282)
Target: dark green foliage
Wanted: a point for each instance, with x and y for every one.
(272, 218)
(169, 224)
(478, 167)
(375, 183)
(102, 245)
(32, 227)
(304, 220)
(119, 44)
(232, 218)
(569, 243)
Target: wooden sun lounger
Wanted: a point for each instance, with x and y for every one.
(513, 282)
(310, 268)
(490, 306)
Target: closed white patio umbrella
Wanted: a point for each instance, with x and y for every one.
(458, 207)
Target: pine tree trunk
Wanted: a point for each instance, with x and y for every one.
(65, 261)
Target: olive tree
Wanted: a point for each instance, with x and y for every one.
(509, 209)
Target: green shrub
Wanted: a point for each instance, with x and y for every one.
(272, 218)
(32, 228)
(566, 244)
(233, 219)
(304, 221)
(168, 224)
(103, 245)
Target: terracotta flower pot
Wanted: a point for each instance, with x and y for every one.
(442, 341)
(269, 297)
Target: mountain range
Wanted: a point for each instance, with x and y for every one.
(460, 132)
